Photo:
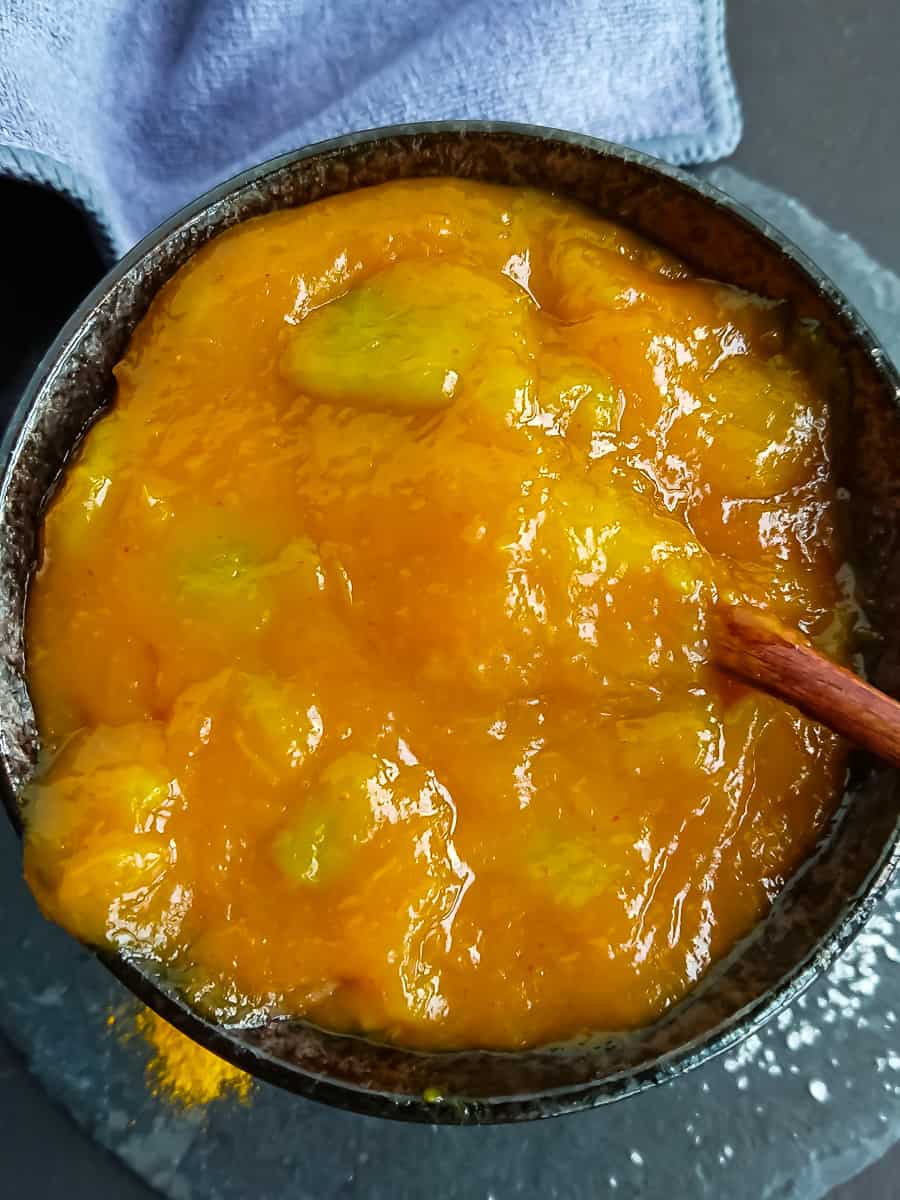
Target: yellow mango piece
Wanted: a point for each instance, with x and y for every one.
(227, 584)
(589, 277)
(598, 840)
(605, 268)
(224, 576)
(576, 869)
(102, 890)
(53, 815)
(579, 401)
(683, 738)
(279, 723)
(92, 492)
(145, 791)
(338, 815)
(111, 778)
(354, 797)
(276, 724)
(757, 432)
(197, 713)
(580, 585)
(625, 591)
(403, 340)
(109, 746)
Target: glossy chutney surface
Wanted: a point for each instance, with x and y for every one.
(370, 646)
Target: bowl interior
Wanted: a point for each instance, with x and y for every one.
(827, 901)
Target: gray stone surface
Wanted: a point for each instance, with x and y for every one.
(787, 1115)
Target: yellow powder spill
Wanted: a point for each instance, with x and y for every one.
(184, 1072)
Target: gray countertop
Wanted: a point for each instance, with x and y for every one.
(819, 88)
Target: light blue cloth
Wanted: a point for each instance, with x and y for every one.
(134, 107)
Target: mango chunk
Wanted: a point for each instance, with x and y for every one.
(579, 402)
(403, 340)
(144, 792)
(355, 796)
(577, 870)
(219, 586)
(280, 723)
(102, 891)
(605, 269)
(594, 841)
(93, 490)
(685, 738)
(591, 276)
(610, 587)
(580, 585)
(276, 724)
(227, 576)
(757, 432)
(111, 778)
(338, 816)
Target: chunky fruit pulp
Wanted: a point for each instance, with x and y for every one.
(371, 645)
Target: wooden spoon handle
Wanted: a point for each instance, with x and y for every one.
(755, 646)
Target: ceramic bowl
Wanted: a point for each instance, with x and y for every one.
(829, 899)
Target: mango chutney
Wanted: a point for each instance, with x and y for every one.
(371, 643)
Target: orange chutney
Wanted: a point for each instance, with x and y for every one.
(370, 648)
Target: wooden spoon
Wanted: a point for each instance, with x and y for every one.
(755, 646)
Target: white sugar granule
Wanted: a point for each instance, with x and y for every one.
(845, 995)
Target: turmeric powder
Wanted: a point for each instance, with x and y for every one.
(182, 1071)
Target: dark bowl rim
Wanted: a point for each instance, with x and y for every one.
(414, 1107)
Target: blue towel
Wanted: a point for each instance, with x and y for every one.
(133, 107)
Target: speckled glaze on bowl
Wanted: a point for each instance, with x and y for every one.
(823, 906)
